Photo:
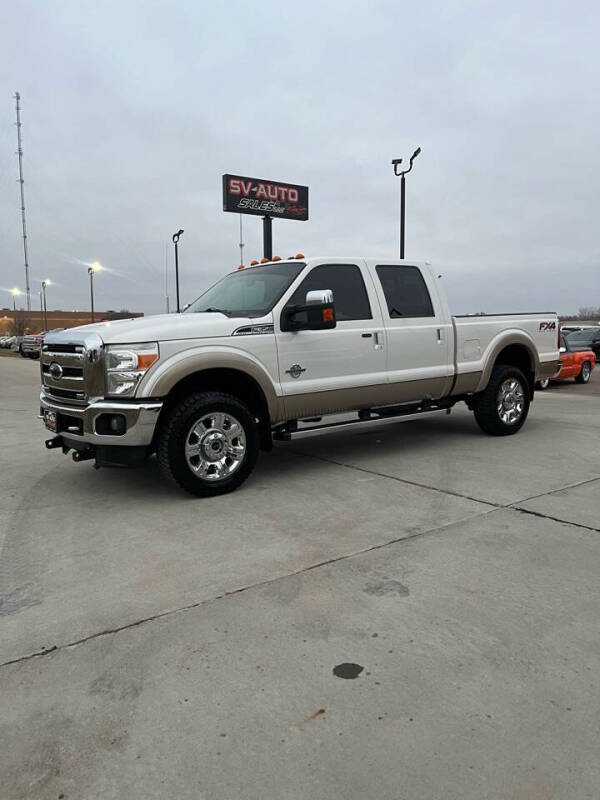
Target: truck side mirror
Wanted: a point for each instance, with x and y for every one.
(562, 350)
(317, 314)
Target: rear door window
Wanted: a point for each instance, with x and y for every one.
(405, 291)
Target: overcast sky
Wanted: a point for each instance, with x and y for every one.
(133, 110)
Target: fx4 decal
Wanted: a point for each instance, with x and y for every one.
(547, 326)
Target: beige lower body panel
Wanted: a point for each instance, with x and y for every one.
(337, 401)
(548, 369)
(466, 383)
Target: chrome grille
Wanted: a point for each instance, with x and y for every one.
(72, 370)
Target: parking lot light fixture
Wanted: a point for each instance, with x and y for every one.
(175, 239)
(96, 266)
(45, 282)
(15, 293)
(399, 172)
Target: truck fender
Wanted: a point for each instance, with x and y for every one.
(159, 382)
(501, 342)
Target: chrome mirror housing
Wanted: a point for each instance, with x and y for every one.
(319, 297)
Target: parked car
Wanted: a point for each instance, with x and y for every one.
(569, 328)
(31, 345)
(275, 351)
(16, 345)
(576, 362)
(586, 338)
(7, 342)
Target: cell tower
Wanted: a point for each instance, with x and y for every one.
(22, 182)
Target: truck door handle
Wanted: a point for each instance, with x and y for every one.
(366, 335)
(378, 339)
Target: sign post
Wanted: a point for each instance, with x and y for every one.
(267, 199)
(268, 237)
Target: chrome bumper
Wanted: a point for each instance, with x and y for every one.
(140, 421)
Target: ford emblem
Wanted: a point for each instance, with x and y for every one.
(55, 370)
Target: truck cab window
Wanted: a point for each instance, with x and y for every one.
(346, 282)
(405, 292)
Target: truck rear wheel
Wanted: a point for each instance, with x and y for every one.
(502, 408)
(208, 444)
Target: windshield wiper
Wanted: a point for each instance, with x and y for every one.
(212, 310)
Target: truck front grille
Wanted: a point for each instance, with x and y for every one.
(73, 371)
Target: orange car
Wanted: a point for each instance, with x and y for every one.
(576, 363)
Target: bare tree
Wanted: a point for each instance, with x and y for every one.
(589, 312)
(21, 324)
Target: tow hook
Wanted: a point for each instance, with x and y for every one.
(57, 441)
(83, 455)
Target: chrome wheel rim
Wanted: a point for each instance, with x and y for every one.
(511, 401)
(545, 383)
(215, 446)
(585, 372)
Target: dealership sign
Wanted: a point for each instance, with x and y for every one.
(265, 198)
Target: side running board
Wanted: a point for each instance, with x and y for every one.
(365, 418)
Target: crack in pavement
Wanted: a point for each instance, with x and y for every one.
(491, 507)
(514, 505)
(400, 480)
(239, 590)
(554, 519)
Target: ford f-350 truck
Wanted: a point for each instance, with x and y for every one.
(275, 351)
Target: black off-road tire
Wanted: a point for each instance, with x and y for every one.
(485, 405)
(174, 431)
(584, 375)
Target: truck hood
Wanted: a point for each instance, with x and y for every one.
(159, 328)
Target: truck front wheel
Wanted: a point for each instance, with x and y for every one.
(208, 444)
(502, 407)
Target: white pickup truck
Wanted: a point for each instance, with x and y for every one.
(276, 351)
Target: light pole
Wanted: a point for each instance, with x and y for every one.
(45, 283)
(175, 238)
(15, 293)
(95, 267)
(396, 163)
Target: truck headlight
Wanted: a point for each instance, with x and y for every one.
(126, 365)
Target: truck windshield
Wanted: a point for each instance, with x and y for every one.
(248, 292)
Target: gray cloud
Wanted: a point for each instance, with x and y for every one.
(132, 111)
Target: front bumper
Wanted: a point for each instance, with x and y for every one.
(77, 424)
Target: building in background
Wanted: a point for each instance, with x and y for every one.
(23, 321)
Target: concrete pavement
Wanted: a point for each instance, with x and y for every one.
(196, 640)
